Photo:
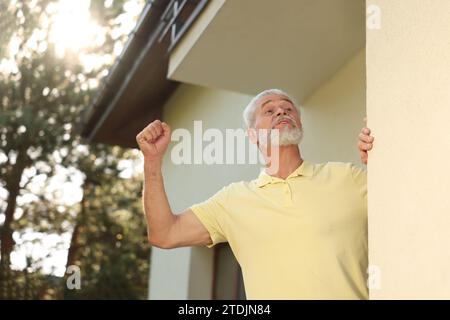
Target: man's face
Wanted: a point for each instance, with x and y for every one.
(276, 112)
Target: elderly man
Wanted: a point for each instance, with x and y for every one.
(299, 230)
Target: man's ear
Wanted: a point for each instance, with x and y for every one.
(252, 135)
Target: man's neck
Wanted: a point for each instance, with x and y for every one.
(289, 159)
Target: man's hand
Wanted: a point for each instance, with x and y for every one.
(365, 142)
(153, 140)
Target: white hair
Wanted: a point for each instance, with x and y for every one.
(250, 109)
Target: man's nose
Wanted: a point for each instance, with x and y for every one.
(281, 111)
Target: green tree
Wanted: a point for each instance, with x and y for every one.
(109, 241)
(42, 96)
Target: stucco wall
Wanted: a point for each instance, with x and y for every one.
(332, 118)
(186, 273)
(408, 104)
(333, 115)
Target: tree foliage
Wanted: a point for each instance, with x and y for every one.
(42, 95)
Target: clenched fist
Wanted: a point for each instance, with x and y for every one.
(153, 140)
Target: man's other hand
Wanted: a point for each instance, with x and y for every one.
(365, 142)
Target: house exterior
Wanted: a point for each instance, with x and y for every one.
(205, 59)
(408, 69)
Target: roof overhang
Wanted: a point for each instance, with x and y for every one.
(247, 46)
(137, 87)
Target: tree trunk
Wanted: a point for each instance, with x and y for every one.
(7, 232)
(74, 246)
(13, 187)
(74, 241)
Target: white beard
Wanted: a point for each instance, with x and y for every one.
(283, 137)
(290, 136)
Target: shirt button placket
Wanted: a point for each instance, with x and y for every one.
(287, 194)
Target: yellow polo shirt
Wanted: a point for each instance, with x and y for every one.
(300, 238)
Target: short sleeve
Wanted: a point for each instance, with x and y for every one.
(210, 213)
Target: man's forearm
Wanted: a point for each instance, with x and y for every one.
(156, 206)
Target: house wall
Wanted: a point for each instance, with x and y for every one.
(187, 273)
(332, 118)
(333, 115)
(408, 98)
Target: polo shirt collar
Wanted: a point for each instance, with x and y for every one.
(305, 169)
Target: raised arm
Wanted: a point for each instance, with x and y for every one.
(165, 229)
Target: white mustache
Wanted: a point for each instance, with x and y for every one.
(284, 118)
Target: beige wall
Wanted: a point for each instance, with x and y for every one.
(187, 273)
(332, 118)
(332, 115)
(408, 103)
